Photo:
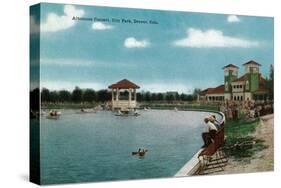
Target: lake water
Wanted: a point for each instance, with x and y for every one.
(97, 147)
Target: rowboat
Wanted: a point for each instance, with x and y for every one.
(139, 153)
(53, 115)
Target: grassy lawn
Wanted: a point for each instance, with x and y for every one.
(240, 128)
(240, 144)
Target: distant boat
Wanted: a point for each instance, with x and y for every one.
(98, 108)
(53, 114)
(140, 153)
(126, 113)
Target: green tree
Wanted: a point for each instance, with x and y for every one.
(160, 96)
(54, 96)
(45, 95)
(170, 97)
(64, 96)
(89, 95)
(154, 97)
(103, 95)
(147, 96)
(76, 95)
(140, 97)
(189, 98)
(183, 97)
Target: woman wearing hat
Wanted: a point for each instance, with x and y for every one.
(214, 120)
(210, 132)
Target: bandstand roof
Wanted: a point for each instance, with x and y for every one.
(124, 84)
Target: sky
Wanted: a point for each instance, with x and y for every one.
(177, 51)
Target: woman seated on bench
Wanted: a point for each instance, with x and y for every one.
(210, 133)
(214, 120)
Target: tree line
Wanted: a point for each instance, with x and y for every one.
(79, 95)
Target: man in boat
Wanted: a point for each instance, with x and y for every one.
(210, 132)
(51, 113)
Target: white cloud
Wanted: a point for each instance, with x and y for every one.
(197, 38)
(56, 22)
(132, 42)
(233, 18)
(101, 26)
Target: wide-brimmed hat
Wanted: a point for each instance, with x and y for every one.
(212, 118)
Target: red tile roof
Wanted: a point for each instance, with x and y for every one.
(220, 89)
(230, 65)
(124, 84)
(252, 62)
(243, 78)
(204, 92)
(217, 90)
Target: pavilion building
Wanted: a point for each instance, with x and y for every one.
(250, 86)
(124, 95)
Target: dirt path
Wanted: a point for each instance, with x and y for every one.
(262, 160)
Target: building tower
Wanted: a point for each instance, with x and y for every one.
(252, 78)
(230, 74)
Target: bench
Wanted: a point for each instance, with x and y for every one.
(213, 157)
